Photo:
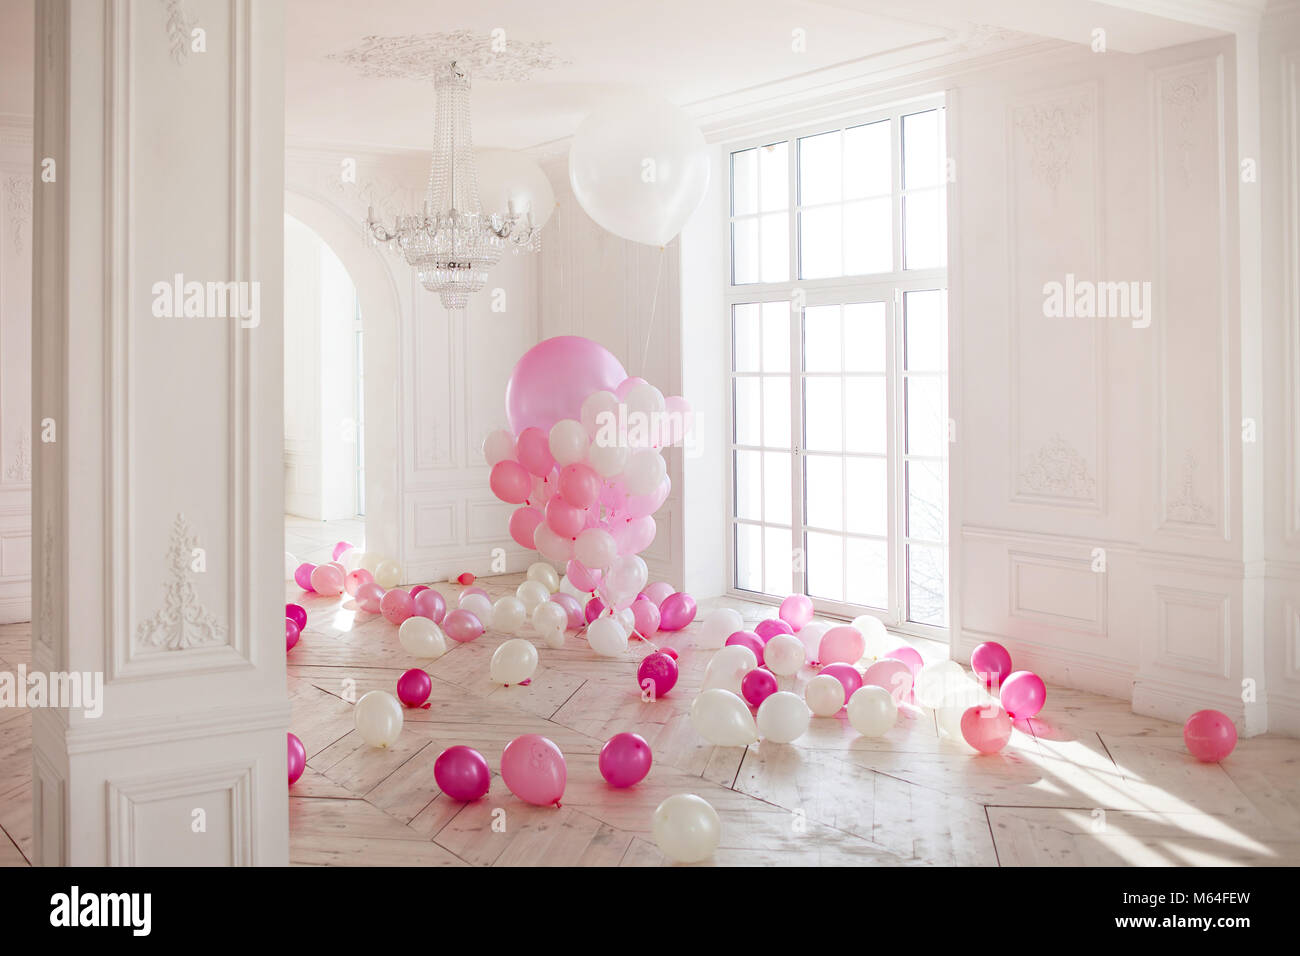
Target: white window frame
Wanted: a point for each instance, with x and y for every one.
(878, 287)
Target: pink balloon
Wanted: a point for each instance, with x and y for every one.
(341, 548)
(1023, 694)
(298, 613)
(624, 760)
(564, 519)
(593, 609)
(676, 612)
(510, 482)
(987, 729)
(634, 535)
(571, 607)
(533, 449)
(369, 597)
(796, 610)
(462, 773)
(991, 663)
(534, 770)
(462, 626)
(909, 656)
(327, 581)
(646, 616)
(554, 377)
(291, 633)
(637, 506)
(758, 685)
(396, 606)
(894, 676)
(846, 674)
(302, 576)
(355, 579)
(431, 604)
(418, 588)
(297, 758)
(579, 485)
(771, 627)
(657, 674)
(1210, 735)
(659, 591)
(582, 577)
(414, 687)
(523, 523)
(472, 589)
(842, 645)
(748, 639)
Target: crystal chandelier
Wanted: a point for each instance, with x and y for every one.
(452, 243)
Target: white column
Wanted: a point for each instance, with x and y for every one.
(157, 505)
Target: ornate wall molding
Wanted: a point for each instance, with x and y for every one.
(182, 622)
(1058, 470)
(20, 468)
(422, 56)
(1187, 505)
(1183, 97)
(179, 23)
(1050, 129)
(18, 207)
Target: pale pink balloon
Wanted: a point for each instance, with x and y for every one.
(327, 581)
(842, 645)
(543, 489)
(564, 519)
(894, 676)
(571, 607)
(1023, 694)
(846, 674)
(579, 485)
(747, 639)
(910, 656)
(355, 579)
(646, 616)
(341, 548)
(637, 506)
(472, 590)
(302, 575)
(991, 663)
(627, 385)
(523, 524)
(462, 626)
(796, 610)
(771, 627)
(396, 606)
(429, 603)
(510, 482)
(342, 570)
(554, 378)
(534, 769)
(1209, 735)
(986, 728)
(658, 592)
(533, 449)
(634, 535)
(676, 612)
(582, 577)
(369, 596)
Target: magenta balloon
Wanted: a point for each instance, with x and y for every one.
(510, 482)
(414, 687)
(842, 645)
(894, 676)
(1023, 694)
(579, 485)
(646, 616)
(757, 686)
(533, 449)
(523, 522)
(462, 773)
(564, 519)
(418, 588)
(625, 760)
(593, 609)
(355, 579)
(986, 728)
(657, 674)
(327, 580)
(748, 639)
(1209, 735)
(796, 610)
(554, 378)
(429, 603)
(991, 663)
(298, 613)
(846, 674)
(369, 597)
(341, 548)
(297, 759)
(396, 605)
(582, 577)
(771, 627)
(909, 656)
(571, 607)
(462, 626)
(533, 768)
(302, 576)
(291, 633)
(677, 611)
(658, 592)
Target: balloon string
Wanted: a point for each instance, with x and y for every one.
(654, 303)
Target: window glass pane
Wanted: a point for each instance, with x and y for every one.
(923, 149)
(927, 331)
(749, 557)
(868, 242)
(819, 169)
(746, 408)
(821, 338)
(927, 416)
(749, 488)
(746, 343)
(926, 500)
(868, 504)
(868, 573)
(925, 231)
(774, 177)
(820, 243)
(776, 411)
(744, 182)
(777, 554)
(926, 585)
(824, 491)
(776, 336)
(775, 247)
(823, 407)
(776, 487)
(864, 337)
(744, 251)
(825, 566)
(868, 169)
(864, 398)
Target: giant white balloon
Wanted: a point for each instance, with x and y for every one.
(728, 667)
(510, 182)
(513, 662)
(783, 717)
(686, 828)
(722, 718)
(378, 718)
(718, 626)
(639, 167)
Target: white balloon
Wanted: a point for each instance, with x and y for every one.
(513, 662)
(545, 574)
(554, 547)
(608, 460)
(723, 719)
(824, 695)
(549, 618)
(644, 399)
(783, 717)
(811, 635)
(942, 683)
(508, 614)
(388, 574)
(420, 637)
(368, 561)
(498, 446)
(600, 417)
(625, 578)
(609, 157)
(351, 558)
(686, 828)
(532, 593)
(479, 605)
(291, 565)
(873, 630)
(872, 710)
(607, 637)
(511, 183)
(728, 667)
(949, 721)
(568, 442)
(717, 626)
(626, 620)
(571, 589)
(783, 655)
(378, 718)
(644, 472)
(595, 548)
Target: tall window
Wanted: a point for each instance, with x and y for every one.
(838, 306)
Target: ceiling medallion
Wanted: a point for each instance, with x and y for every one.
(488, 56)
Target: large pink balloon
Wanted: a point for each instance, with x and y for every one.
(842, 645)
(624, 760)
(987, 729)
(758, 685)
(894, 676)
(429, 603)
(1023, 694)
(910, 656)
(796, 610)
(327, 580)
(533, 768)
(582, 577)
(991, 663)
(533, 449)
(657, 674)
(564, 519)
(414, 687)
(462, 626)
(747, 639)
(646, 616)
(579, 485)
(771, 627)
(302, 575)
(462, 773)
(1209, 735)
(355, 579)
(677, 611)
(510, 482)
(396, 605)
(634, 535)
(523, 524)
(554, 377)
(369, 596)
(846, 674)
(658, 592)
(298, 613)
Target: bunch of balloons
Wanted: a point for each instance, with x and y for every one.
(350, 569)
